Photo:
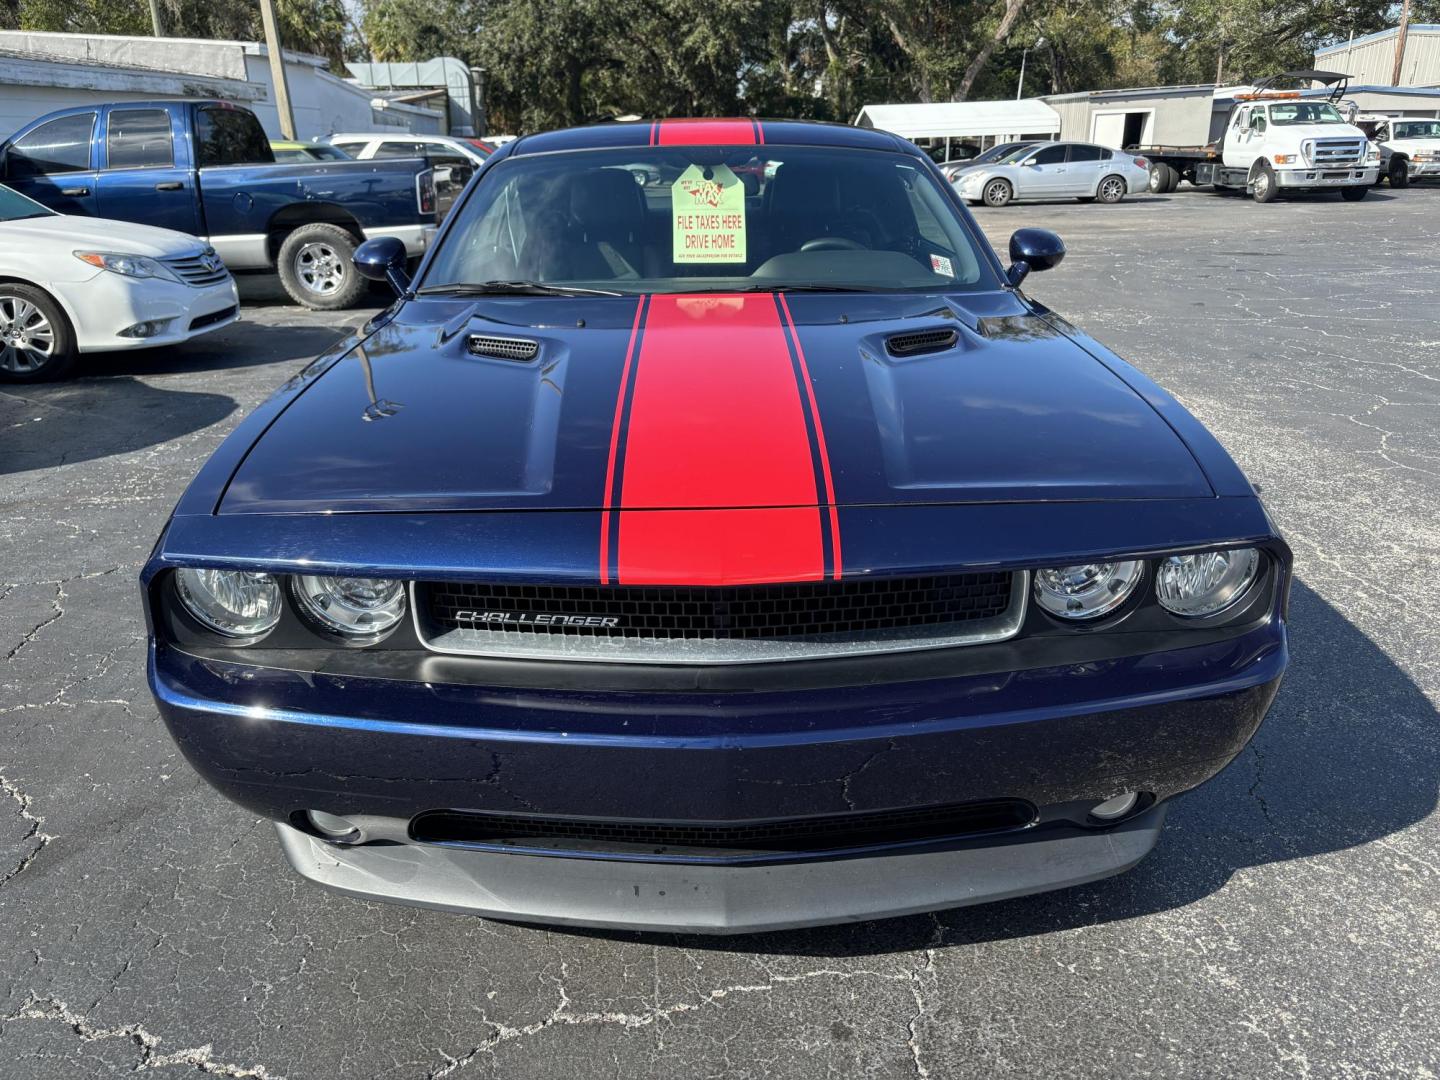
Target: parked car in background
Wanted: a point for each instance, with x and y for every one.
(290, 152)
(1409, 148)
(454, 160)
(79, 284)
(206, 168)
(460, 156)
(680, 557)
(953, 170)
(1056, 170)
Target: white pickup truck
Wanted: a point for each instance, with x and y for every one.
(1274, 141)
(1409, 148)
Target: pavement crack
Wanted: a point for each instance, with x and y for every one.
(562, 1015)
(1255, 785)
(199, 1058)
(35, 833)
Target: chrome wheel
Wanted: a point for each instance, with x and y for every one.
(997, 193)
(320, 268)
(1112, 189)
(27, 340)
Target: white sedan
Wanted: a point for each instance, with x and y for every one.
(1056, 170)
(79, 284)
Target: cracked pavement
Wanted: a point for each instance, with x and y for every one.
(1288, 924)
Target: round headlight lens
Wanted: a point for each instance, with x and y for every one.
(1086, 591)
(354, 606)
(1196, 585)
(235, 603)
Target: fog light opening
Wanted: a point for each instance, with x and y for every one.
(148, 329)
(332, 827)
(1116, 808)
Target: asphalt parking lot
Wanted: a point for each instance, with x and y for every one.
(1288, 924)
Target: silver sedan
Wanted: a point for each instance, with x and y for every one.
(1056, 170)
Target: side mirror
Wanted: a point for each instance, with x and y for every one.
(383, 259)
(1033, 249)
(1031, 162)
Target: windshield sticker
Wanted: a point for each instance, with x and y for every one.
(709, 216)
(941, 265)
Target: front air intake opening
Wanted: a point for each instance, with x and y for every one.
(516, 350)
(919, 342)
(681, 841)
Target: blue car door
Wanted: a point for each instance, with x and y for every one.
(144, 169)
(52, 163)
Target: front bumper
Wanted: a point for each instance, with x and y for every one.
(107, 303)
(1424, 168)
(720, 899)
(1353, 176)
(381, 751)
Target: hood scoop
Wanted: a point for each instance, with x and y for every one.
(920, 342)
(516, 350)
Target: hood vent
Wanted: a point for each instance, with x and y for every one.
(919, 342)
(518, 350)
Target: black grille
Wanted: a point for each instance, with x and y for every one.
(213, 318)
(717, 840)
(922, 341)
(518, 349)
(758, 612)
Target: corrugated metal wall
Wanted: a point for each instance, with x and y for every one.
(1371, 60)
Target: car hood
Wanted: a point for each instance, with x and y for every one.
(750, 401)
(101, 234)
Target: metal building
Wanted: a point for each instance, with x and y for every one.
(1371, 59)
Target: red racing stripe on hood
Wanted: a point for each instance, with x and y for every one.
(704, 133)
(718, 481)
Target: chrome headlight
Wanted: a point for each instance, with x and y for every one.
(235, 603)
(1196, 585)
(353, 606)
(134, 266)
(1088, 590)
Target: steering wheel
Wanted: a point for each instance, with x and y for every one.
(833, 243)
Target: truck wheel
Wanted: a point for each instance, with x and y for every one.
(1163, 179)
(1354, 193)
(315, 267)
(36, 344)
(1111, 190)
(1398, 173)
(1264, 185)
(998, 193)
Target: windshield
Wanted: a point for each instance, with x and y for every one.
(1003, 152)
(1416, 129)
(710, 219)
(14, 206)
(1305, 112)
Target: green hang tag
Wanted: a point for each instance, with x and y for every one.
(708, 216)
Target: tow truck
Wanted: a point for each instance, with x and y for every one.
(1275, 139)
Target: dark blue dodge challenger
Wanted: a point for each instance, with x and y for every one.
(714, 537)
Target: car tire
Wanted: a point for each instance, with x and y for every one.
(1111, 189)
(1398, 173)
(1264, 188)
(1354, 193)
(997, 193)
(316, 269)
(36, 342)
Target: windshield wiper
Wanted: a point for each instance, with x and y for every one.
(513, 288)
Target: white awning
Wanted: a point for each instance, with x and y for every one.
(959, 119)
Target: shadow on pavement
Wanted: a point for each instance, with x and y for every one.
(59, 423)
(1347, 756)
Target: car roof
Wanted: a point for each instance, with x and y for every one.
(711, 131)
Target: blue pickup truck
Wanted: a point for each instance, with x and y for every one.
(206, 168)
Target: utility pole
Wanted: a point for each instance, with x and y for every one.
(277, 67)
(156, 26)
(1400, 43)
